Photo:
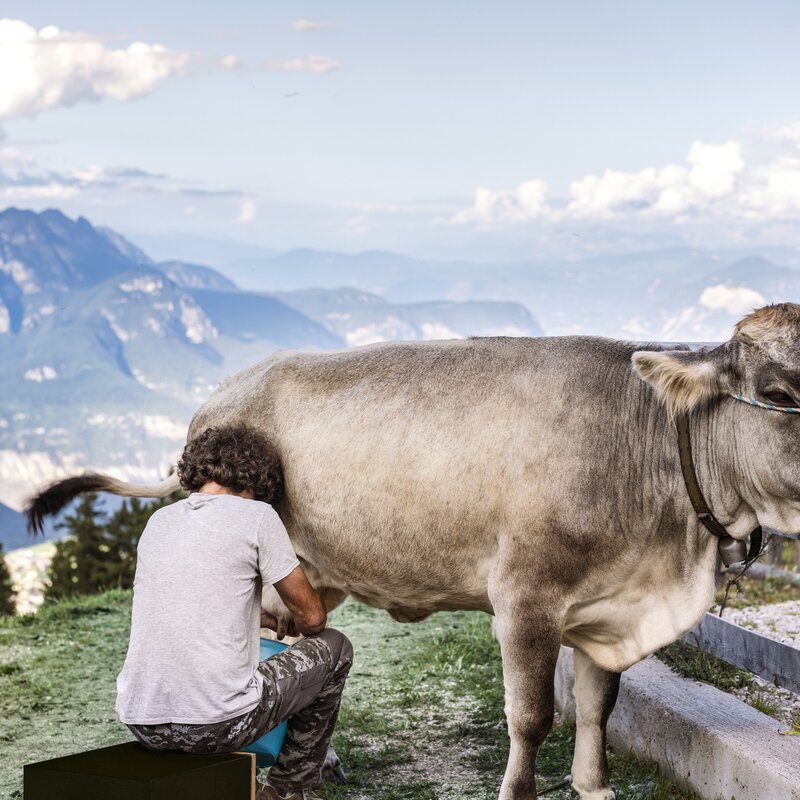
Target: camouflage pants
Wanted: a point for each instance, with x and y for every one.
(303, 685)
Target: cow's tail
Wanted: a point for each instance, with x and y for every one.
(54, 497)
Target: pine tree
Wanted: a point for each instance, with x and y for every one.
(83, 562)
(7, 605)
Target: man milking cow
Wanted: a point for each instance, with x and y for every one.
(538, 480)
(192, 680)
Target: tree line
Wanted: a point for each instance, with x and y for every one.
(98, 551)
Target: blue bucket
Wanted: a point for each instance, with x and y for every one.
(269, 745)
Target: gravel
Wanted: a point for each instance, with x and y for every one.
(779, 621)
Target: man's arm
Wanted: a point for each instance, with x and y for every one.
(303, 601)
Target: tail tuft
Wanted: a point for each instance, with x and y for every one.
(57, 495)
(60, 493)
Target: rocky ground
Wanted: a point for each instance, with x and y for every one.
(779, 621)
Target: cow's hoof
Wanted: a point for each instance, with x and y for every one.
(332, 768)
(595, 794)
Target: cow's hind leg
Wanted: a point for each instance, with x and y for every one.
(595, 695)
(529, 643)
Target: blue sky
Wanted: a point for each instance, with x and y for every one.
(356, 125)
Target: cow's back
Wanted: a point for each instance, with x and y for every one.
(406, 463)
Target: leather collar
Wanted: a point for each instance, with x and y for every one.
(701, 507)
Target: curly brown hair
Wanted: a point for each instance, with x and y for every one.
(236, 457)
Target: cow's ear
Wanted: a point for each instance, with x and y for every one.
(683, 380)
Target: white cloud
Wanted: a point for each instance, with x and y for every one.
(39, 374)
(789, 133)
(774, 190)
(231, 62)
(315, 64)
(13, 158)
(50, 68)
(714, 184)
(734, 300)
(46, 191)
(356, 226)
(248, 212)
(22, 179)
(302, 25)
(88, 174)
(659, 191)
(715, 167)
(491, 207)
(618, 192)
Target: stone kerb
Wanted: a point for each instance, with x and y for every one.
(706, 739)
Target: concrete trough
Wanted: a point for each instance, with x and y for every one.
(706, 739)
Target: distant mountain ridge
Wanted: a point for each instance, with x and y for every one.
(13, 533)
(677, 293)
(108, 353)
(362, 318)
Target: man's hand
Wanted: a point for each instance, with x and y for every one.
(283, 626)
(303, 602)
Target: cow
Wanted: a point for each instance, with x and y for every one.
(534, 479)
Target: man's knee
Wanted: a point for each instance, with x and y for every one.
(340, 646)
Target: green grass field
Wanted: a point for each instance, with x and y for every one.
(422, 717)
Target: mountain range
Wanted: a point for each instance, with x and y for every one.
(105, 354)
(12, 529)
(674, 294)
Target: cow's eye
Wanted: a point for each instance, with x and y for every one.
(779, 398)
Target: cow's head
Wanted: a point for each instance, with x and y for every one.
(760, 362)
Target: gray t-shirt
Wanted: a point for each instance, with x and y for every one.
(194, 642)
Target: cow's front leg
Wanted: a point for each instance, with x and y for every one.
(529, 643)
(595, 695)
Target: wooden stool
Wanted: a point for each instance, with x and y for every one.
(130, 771)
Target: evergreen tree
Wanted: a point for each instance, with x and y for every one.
(83, 562)
(7, 605)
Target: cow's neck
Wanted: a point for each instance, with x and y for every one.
(719, 467)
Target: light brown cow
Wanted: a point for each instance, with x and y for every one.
(534, 479)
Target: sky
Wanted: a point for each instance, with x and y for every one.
(500, 130)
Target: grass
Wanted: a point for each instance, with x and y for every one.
(692, 663)
(700, 666)
(756, 592)
(57, 681)
(438, 690)
(794, 723)
(762, 702)
(422, 717)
